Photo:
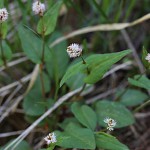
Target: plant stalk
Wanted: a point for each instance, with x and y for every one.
(42, 59)
(1, 47)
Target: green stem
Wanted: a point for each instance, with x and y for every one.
(81, 89)
(42, 59)
(43, 50)
(1, 46)
(84, 62)
(142, 106)
(42, 81)
(103, 130)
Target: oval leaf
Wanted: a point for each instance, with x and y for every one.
(115, 111)
(47, 23)
(140, 81)
(133, 97)
(97, 64)
(76, 137)
(85, 115)
(32, 45)
(106, 141)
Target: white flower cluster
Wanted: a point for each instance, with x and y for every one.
(38, 8)
(110, 123)
(50, 138)
(74, 50)
(3, 15)
(148, 57)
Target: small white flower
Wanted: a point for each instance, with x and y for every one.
(74, 50)
(148, 57)
(3, 15)
(111, 123)
(38, 8)
(50, 138)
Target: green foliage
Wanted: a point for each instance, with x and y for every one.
(67, 121)
(85, 115)
(57, 65)
(47, 23)
(32, 45)
(78, 78)
(140, 81)
(115, 111)
(145, 62)
(97, 64)
(34, 104)
(3, 30)
(106, 141)
(133, 97)
(7, 54)
(76, 137)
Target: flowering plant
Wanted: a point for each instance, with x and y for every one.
(77, 95)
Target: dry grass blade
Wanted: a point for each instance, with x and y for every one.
(10, 109)
(15, 62)
(33, 78)
(5, 105)
(7, 87)
(102, 27)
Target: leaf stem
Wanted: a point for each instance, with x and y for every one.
(84, 62)
(142, 106)
(1, 47)
(42, 81)
(42, 58)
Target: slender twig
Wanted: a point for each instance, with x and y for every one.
(16, 83)
(131, 46)
(5, 105)
(101, 27)
(13, 63)
(142, 106)
(10, 109)
(8, 134)
(3, 135)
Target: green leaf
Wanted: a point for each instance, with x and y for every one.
(133, 97)
(116, 111)
(47, 83)
(6, 51)
(32, 45)
(97, 64)
(4, 30)
(140, 81)
(67, 121)
(73, 70)
(1, 3)
(76, 137)
(101, 63)
(32, 104)
(145, 62)
(79, 81)
(85, 115)
(48, 22)
(57, 65)
(23, 145)
(106, 141)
